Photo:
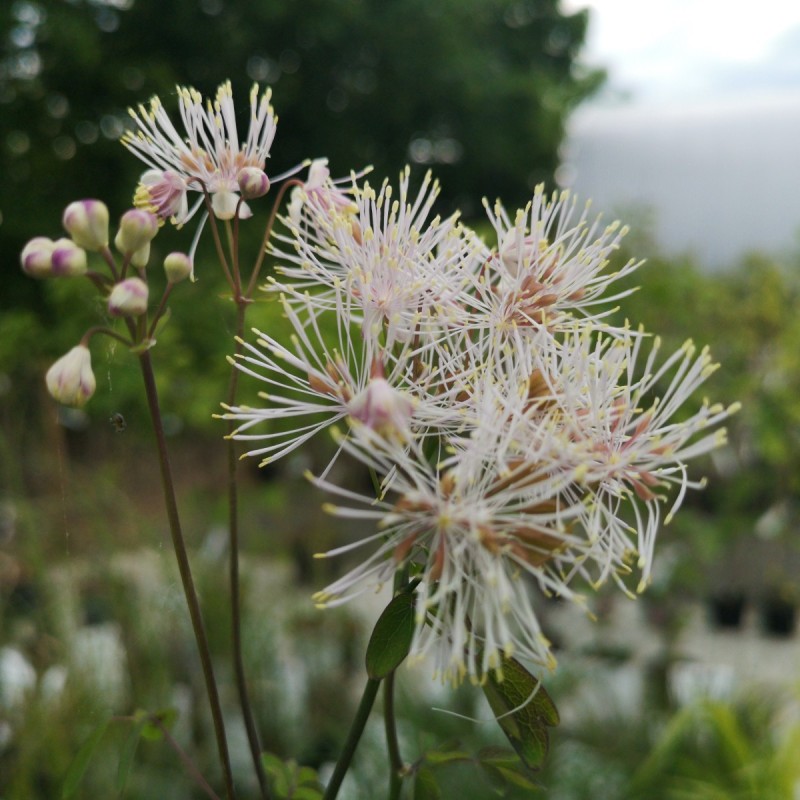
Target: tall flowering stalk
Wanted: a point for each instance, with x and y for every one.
(517, 439)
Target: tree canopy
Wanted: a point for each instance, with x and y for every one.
(477, 89)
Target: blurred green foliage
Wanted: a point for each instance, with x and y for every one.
(741, 749)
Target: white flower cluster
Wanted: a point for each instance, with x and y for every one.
(518, 438)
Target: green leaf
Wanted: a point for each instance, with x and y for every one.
(526, 727)
(127, 754)
(306, 776)
(272, 764)
(81, 761)
(425, 786)
(391, 637)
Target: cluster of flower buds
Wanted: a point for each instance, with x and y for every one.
(70, 380)
(45, 258)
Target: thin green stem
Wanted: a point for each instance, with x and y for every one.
(392, 743)
(100, 281)
(236, 614)
(353, 737)
(108, 332)
(108, 257)
(185, 571)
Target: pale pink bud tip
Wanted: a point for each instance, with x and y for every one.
(128, 298)
(36, 257)
(70, 380)
(137, 228)
(178, 267)
(86, 221)
(383, 408)
(253, 182)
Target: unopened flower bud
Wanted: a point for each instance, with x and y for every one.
(141, 256)
(37, 257)
(137, 228)
(383, 408)
(128, 298)
(224, 203)
(71, 380)
(253, 182)
(178, 267)
(86, 221)
(68, 260)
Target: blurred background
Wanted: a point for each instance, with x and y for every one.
(681, 118)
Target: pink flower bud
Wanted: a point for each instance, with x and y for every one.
(383, 408)
(178, 267)
(253, 182)
(68, 260)
(137, 228)
(71, 380)
(86, 221)
(128, 298)
(36, 257)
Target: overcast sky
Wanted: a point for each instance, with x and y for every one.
(698, 126)
(693, 50)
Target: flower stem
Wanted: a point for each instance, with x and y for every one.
(392, 744)
(233, 533)
(185, 571)
(356, 729)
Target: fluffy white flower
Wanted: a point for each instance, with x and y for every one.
(401, 269)
(550, 269)
(206, 155)
(475, 531)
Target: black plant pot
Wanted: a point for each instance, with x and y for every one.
(727, 609)
(778, 616)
